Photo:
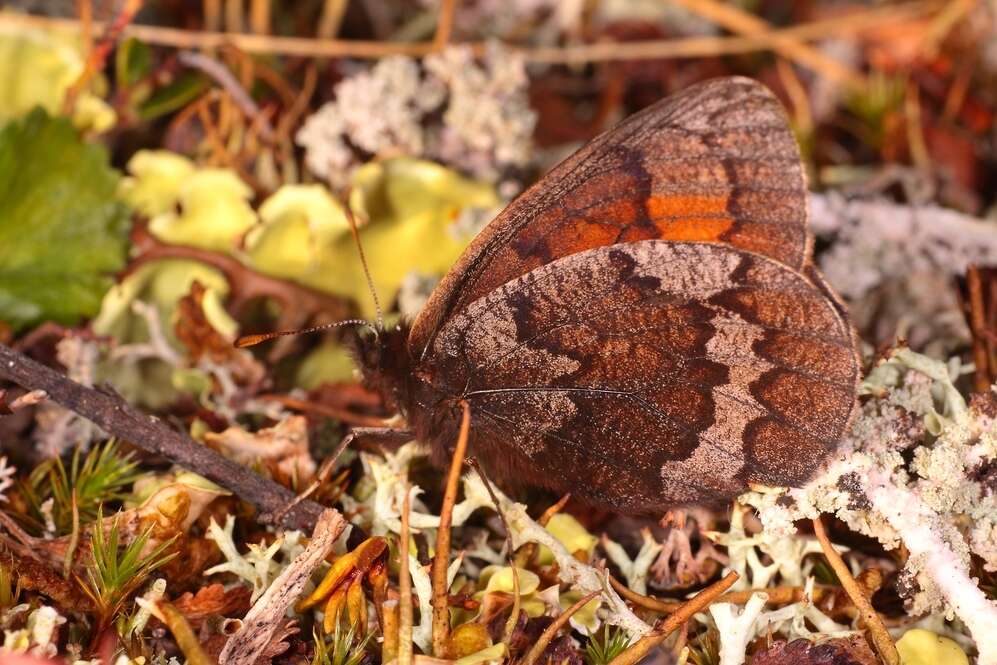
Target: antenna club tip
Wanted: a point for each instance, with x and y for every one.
(250, 340)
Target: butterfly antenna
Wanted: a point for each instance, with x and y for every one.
(252, 340)
(363, 262)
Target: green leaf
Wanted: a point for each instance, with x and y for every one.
(132, 62)
(62, 230)
(185, 89)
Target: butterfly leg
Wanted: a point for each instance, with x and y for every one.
(379, 434)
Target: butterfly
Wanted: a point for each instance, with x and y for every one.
(644, 327)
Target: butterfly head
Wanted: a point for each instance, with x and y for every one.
(383, 359)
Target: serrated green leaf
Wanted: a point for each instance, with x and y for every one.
(62, 230)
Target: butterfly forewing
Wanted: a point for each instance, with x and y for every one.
(716, 162)
(650, 374)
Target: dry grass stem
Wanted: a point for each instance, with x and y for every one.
(331, 20)
(737, 20)
(636, 651)
(441, 559)
(259, 16)
(533, 655)
(184, 635)
(880, 638)
(689, 47)
(235, 19)
(404, 647)
(212, 15)
(390, 629)
(776, 596)
(444, 24)
(554, 510)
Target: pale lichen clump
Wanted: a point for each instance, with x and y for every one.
(484, 128)
(938, 504)
(894, 265)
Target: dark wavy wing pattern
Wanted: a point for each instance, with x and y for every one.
(716, 162)
(659, 372)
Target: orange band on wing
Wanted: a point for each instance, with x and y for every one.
(668, 212)
(672, 205)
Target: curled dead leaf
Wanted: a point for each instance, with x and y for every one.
(213, 599)
(283, 448)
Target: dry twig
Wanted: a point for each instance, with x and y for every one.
(117, 417)
(880, 638)
(776, 596)
(636, 651)
(982, 380)
(444, 24)
(184, 635)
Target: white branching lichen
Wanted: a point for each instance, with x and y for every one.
(736, 628)
(636, 570)
(582, 577)
(59, 429)
(39, 635)
(257, 567)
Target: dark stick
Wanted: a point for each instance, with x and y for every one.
(118, 418)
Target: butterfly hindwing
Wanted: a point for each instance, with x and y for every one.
(716, 162)
(660, 372)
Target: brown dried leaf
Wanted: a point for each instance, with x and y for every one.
(838, 651)
(196, 333)
(214, 599)
(34, 575)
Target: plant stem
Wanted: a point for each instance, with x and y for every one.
(636, 651)
(540, 645)
(404, 586)
(880, 638)
(441, 560)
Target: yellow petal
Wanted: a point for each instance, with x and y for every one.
(923, 647)
(571, 534)
(501, 580)
(410, 207)
(299, 223)
(154, 184)
(214, 214)
(37, 67)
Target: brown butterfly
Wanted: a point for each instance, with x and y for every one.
(643, 327)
